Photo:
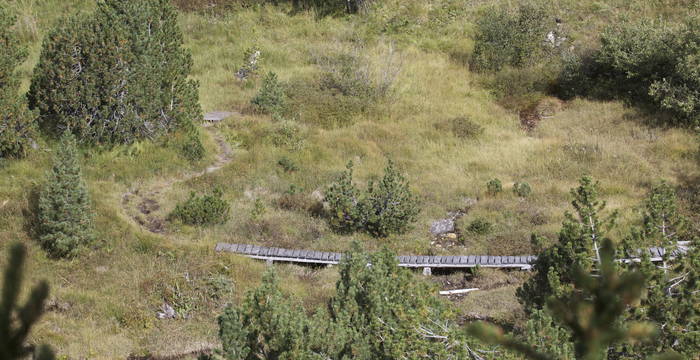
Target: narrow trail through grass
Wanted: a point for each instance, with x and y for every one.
(140, 202)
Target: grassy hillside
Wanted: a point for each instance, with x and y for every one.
(105, 300)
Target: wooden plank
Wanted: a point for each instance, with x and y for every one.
(413, 259)
(463, 259)
(457, 291)
(403, 259)
(483, 260)
(472, 260)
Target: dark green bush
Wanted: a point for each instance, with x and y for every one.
(116, 75)
(385, 208)
(462, 127)
(64, 211)
(522, 189)
(511, 37)
(270, 99)
(192, 148)
(480, 227)
(287, 164)
(288, 134)
(16, 121)
(208, 209)
(652, 64)
(389, 206)
(494, 186)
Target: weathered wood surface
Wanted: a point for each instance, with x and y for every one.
(216, 116)
(523, 262)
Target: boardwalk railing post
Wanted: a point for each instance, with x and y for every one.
(427, 271)
(269, 262)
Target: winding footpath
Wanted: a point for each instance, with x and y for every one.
(140, 203)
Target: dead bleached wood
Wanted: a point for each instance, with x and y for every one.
(457, 291)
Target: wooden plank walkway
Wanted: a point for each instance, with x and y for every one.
(522, 262)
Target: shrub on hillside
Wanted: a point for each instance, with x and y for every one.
(388, 207)
(270, 98)
(16, 122)
(653, 64)
(288, 134)
(192, 148)
(462, 127)
(522, 189)
(207, 209)
(494, 186)
(348, 84)
(511, 37)
(116, 75)
(480, 227)
(64, 212)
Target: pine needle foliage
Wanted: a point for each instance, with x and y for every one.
(65, 218)
(208, 209)
(16, 121)
(271, 98)
(116, 75)
(387, 207)
(593, 312)
(579, 240)
(17, 320)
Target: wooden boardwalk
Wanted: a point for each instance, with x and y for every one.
(521, 262)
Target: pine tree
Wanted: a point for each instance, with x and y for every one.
(65, 220)
(270, 98)
(594, 313)
(266, 326)
(343, 198)
(579, 241)
(116, 75)
(16, 321)
(390, 207)
(16, 121)
(383, 313)
(672, 287)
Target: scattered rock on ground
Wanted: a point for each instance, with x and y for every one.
(442, 226)
(166, 312)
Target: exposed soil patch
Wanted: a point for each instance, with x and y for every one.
(146, 197)
(531, 116)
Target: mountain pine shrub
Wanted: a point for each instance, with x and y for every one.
(522, 189)
(65, 215)
(16, 122)
(387, 207)
(343, 199)
(510, 37)
(580, 238)
(116, 75)
(494, 187)
(270, 98)
(207, 209)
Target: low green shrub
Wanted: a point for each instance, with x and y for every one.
(480, 227)
(511, 37)
(461, 127)
(287, 164)
(208, 209)
(387, 207)
(649, 63)
(288, 134)
(522, 189)
(271, 98)
(258, 210)
(192, 148)
(494, 187)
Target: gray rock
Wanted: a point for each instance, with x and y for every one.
(166, 312)
(442, 226)
(469, 202)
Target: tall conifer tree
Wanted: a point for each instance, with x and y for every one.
(65, 221)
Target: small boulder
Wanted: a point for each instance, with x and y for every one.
(442, 226)
(166, 312)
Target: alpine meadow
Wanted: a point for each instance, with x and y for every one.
(350, 179)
